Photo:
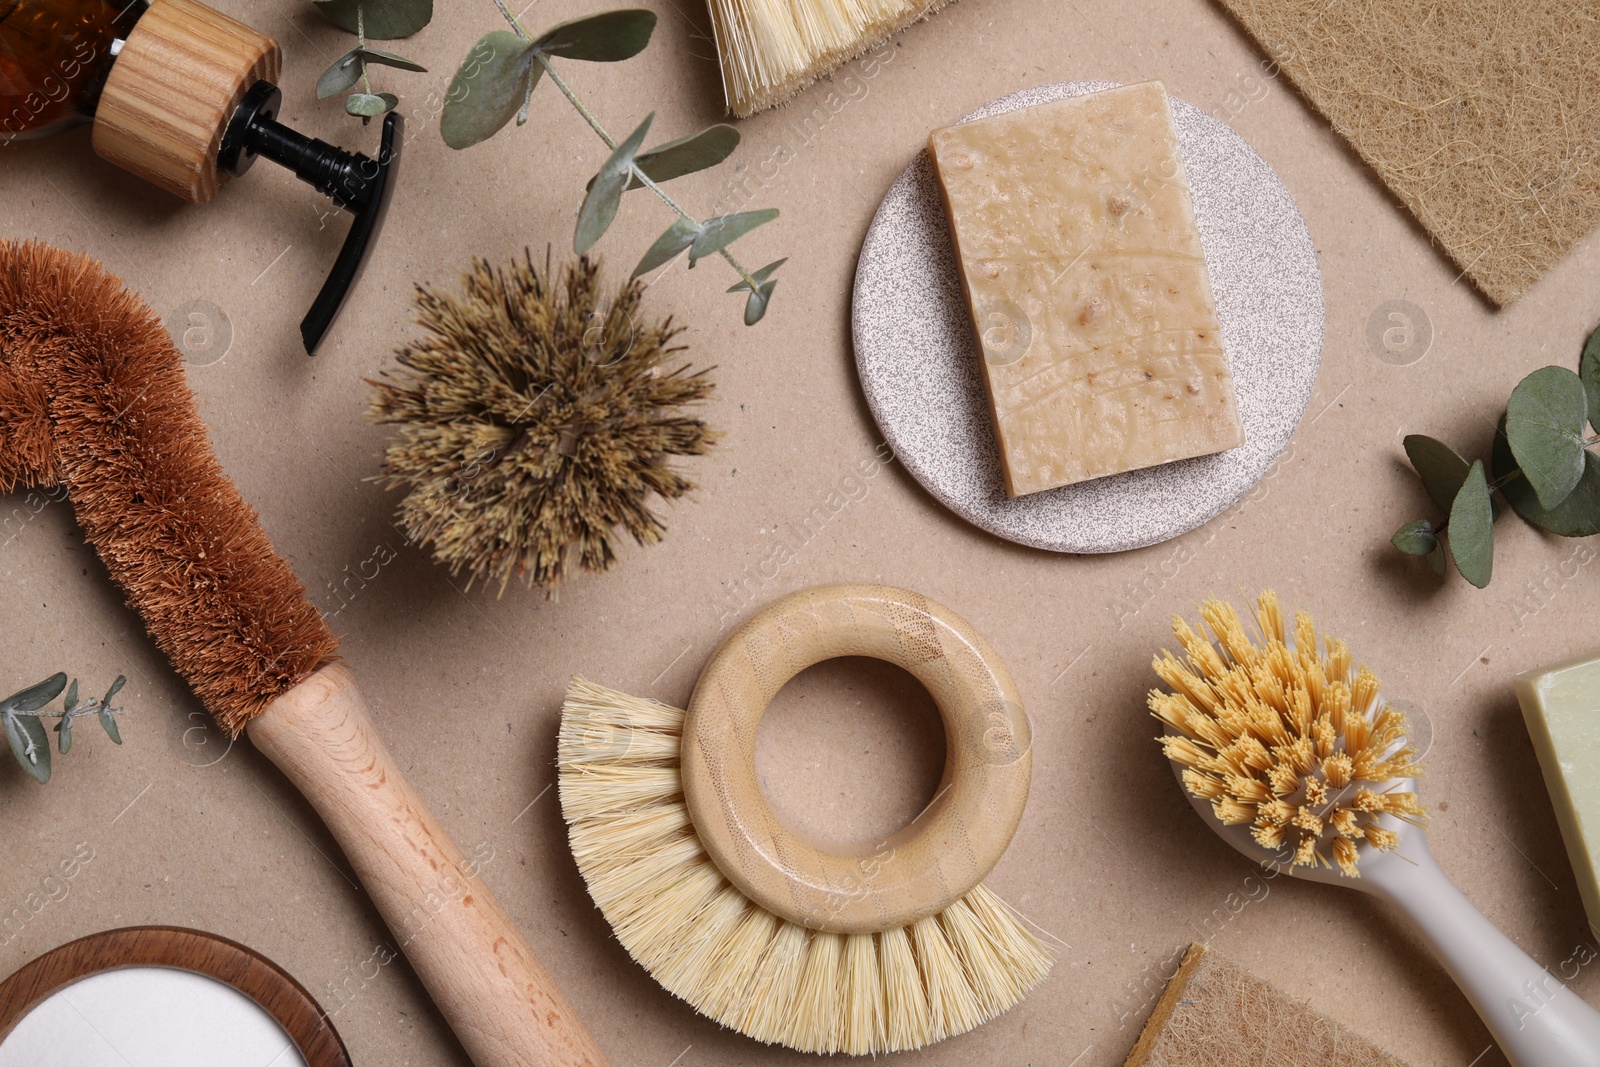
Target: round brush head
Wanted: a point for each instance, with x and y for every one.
(1284, 739)
(538, 420)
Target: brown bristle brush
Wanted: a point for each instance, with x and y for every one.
(93, 397)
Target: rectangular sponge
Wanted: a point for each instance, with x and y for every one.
(1083, 271)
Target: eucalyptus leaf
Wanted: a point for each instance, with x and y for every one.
(489, 88)
(370, 105)
(1441, 469)
(70, 701)
(1589, 371)
(605, 191)
(345, 72)
(64, 728)
(108, 720)
(36, 696)
(720, 232)
(1437, 560)
(1415, 538)
(698, 151)
(29, 743)
(756, 306)
(604, 38)
(108, 723)
(760, 276)
(1472, 528)
(679, 236)
(1576, 516)
(384, 19)
(1544, 422)
(389, 59)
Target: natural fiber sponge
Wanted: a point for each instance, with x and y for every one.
(1216, 1014)
(1482, 117)
(1083, 270)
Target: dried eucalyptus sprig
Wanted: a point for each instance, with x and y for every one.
(495, 84)
(21, 714)
(379, 20)
(1540, 464)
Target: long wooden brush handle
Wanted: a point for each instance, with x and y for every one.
(496, 995)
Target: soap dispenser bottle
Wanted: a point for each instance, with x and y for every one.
(183, 96)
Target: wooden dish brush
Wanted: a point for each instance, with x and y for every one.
(866, 950)
(93, 397)
(771, 49)
(1292, 757)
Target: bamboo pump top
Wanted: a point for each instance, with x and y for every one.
(184, 97)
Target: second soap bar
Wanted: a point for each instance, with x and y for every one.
(1088, 288)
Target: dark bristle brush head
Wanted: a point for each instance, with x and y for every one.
(93, 397)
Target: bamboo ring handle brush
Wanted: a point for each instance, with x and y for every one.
(947, 849)
(92, 396)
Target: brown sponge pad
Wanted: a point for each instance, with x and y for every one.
(1216, 1014)
(1482, 117)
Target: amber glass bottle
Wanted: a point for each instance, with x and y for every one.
(54, 57)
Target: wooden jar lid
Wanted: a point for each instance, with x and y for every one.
(946, 850)
(272, 988)
(177, 81)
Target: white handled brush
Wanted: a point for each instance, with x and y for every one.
(1295, 761)
(771, 49)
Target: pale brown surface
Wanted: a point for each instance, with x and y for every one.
(495, 994)
(1083, 271)
(169, 95)
(1109, 857)
(1217, 1014)
(1505, 179)
(938, 857)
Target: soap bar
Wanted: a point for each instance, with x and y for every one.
(1561, 706)
(1088, 289)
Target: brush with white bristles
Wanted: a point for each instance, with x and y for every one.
(705, 941)
(771, 49)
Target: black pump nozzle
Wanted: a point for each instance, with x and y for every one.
(360, 185)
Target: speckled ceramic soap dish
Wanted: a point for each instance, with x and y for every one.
(920, 370)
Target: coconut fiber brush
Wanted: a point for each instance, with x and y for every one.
(93, 397)
(878, 948)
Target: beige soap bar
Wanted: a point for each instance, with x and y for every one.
(1083, 270)
(1561, 706)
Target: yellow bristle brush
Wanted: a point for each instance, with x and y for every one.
(1290, 754)
(771, 49)
(875, 949)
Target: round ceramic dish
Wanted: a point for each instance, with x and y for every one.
(919, 367)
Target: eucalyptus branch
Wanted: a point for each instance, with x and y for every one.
(21, 714)
(1540, 466)
(495, 84)
(611, 143)
(392, 18)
